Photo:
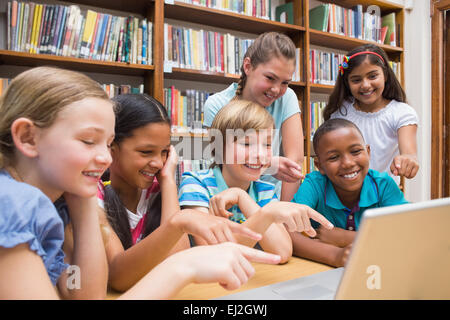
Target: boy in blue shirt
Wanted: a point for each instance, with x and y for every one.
(243, 135)
(342, 189)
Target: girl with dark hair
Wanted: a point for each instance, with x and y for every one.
(142, 221)
(368, 93)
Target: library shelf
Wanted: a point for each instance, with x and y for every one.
(337, 41)
(33, 60)
(201, 76)
(225, 19)
(321, 88)
(160, 11)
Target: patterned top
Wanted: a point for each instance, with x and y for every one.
(136, 220)
(198, 187)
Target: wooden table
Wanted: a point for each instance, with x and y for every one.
(265, 274)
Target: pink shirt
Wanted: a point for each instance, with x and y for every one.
(136, 220)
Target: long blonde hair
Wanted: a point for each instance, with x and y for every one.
(242, 115)
(39, 94)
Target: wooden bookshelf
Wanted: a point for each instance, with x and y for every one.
(35, 60)
(321, 88)
(201, 76)
(225, 19)
(344, 43)
(157, 11)
(337, 41)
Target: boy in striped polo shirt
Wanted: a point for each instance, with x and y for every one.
(232, 188)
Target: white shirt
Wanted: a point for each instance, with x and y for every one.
(380, 130)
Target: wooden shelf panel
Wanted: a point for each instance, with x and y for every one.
(225, 19)
(384, 5)
(201, 76)
(78, 64)
(321, 88)
(338, 41)
(134, 6)
(210, 76)
(297, 84)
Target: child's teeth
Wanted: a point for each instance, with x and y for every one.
(352, 175)
(92, 174)
(148, 174)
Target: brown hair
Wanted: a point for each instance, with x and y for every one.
(264, 48)
(39, 94)
(341, 92)
(240, 115)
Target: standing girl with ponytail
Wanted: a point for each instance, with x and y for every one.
(266, 71)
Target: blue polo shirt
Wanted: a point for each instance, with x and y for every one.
(317, 192)
(198, 187)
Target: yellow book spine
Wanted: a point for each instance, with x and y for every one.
(37, 28)
(91, 17)
(33, 29)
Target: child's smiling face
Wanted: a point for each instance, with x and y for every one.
(248, 156)
(138, 158)
(343, 157)
(366, 83)
(267, 81)
(74, 150)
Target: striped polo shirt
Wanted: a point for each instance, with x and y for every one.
(199, 186)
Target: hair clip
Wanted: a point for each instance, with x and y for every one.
(343, 65)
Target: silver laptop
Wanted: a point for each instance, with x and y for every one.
(400, 252)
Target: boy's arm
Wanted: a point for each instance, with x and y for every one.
(336, 236)
(305, 247)
(275, 237)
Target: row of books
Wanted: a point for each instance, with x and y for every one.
(185, 165)
(111, 89)
(298, 62)
(325, 66)
(67, 31)
(354, 23)
(316, 115)
(203, 50)
(254, 8)
(4, 83)
(311, 168)
(185, 109)
(114, 90)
